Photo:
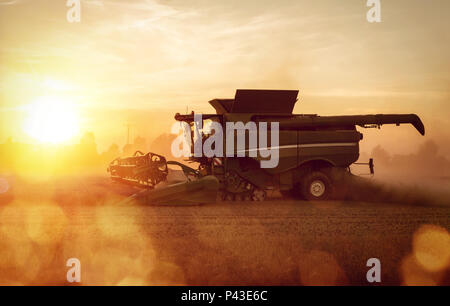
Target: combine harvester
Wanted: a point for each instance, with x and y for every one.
(314, 153)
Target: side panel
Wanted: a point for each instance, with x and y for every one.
(288, 155)
(341, 148)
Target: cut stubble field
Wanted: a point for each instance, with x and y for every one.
(278, 242)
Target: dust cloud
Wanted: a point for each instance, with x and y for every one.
(419, 178)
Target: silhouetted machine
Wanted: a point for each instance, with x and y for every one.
(310, 148)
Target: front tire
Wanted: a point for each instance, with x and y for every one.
(316, 186)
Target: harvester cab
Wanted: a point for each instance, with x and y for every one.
(255, 143)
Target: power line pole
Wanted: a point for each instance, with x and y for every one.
(128, 126)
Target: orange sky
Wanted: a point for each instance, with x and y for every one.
(142, 61)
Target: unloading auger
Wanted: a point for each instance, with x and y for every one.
(314, 153)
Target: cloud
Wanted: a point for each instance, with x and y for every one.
(210, 48)
(9, 2)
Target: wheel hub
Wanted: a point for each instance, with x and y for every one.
(317, 188)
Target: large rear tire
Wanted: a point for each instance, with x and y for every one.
(316, 186)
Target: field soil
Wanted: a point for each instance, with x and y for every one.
(46, 221)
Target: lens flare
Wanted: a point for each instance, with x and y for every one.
(431, 247)
(319, 268)
(4, 185)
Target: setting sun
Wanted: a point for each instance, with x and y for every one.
(51, 120)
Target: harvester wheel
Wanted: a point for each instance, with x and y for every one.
(316, 186)
(259, 195)
(229, 197)
(235, 188)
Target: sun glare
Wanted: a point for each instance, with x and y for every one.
(51, 120)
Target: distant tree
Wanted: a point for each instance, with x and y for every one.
(112, 153)
(162, 145)
(381, 155)
(428, 150)
(113, 150)
(128, 149)
(140, 143)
